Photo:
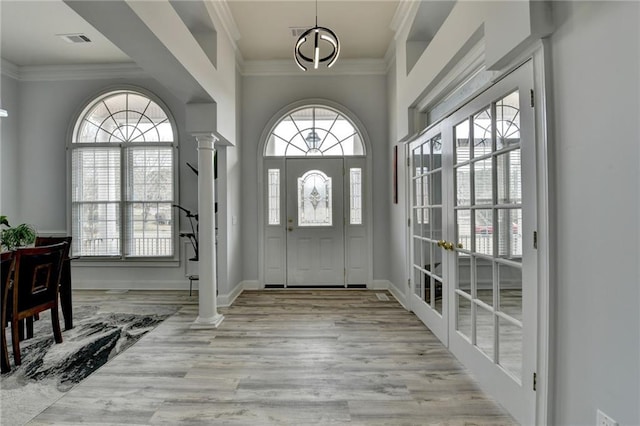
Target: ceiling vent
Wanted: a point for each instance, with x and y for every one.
(74, 38)
(297, 31)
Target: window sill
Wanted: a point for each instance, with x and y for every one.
(125, 263)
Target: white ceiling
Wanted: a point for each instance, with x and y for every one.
(29, 28)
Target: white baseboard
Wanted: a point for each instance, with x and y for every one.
(250, 285)
(379, 285)
(132, 285)
(226, 300)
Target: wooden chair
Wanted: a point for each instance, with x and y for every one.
(35, 289)
(6, 267)
(65, 278)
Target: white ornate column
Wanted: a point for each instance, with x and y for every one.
(208, 311)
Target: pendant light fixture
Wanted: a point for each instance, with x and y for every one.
(323, 39)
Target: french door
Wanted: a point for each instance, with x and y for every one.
(473, 226)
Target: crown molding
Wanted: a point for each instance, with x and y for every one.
(72, 72)
(285, 67)
(404, 12)
(10, 69)
(221, 10)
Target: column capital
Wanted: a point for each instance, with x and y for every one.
(205, 140)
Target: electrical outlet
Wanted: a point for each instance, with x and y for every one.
(603, 420)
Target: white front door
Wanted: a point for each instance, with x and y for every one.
(315, 222)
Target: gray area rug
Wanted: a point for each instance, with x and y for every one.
(49, 370)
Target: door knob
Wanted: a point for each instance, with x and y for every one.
(441, 243)
(460, 245)
(290, 228)
(448, 246)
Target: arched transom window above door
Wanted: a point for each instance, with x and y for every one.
(314, 131)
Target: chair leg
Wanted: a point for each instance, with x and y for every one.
(55, 321)
(6, 366)
(30, 327)
(15, 337)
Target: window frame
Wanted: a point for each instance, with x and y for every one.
(123, 259)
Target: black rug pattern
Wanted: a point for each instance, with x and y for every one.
(95, 339)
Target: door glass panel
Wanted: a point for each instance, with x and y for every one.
(508, 121)
(482, 133)
(510, 344)
(436, 260)
(510, 287)
(463, 228)
(436, 152)
(418, 196)
(484, 231)
(426, 158)
(435, 183)
(426, 255)
(435, 218)
(314, 199)
(417, 220)
(426, 223)
(463, 186)
(417, 161)
(509, 174)
(484, 280)
(273, 194)
(483, 181)
(464, 272)
(355, 196)
(437, 295)
(463, 320)
(462, 142)
(418, 278)
(484, 330)
(510, 233)
(417, 252)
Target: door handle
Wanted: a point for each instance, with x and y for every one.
(460, 245)
(441, 243)
(448, 246)
(290, 228)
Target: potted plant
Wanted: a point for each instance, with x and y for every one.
(12, 237)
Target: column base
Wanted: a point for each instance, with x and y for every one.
(210, 322)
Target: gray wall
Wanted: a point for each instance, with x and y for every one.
(365, 96)
(596, 98)
(45, 112)
(9, 147)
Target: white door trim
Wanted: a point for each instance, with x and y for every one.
(367, 182)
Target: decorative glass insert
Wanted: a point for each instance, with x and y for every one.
(273, 195)
(355, 207)
(314, 199)
(122, 178)
(315, 131)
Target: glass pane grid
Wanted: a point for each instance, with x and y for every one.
(96, 229)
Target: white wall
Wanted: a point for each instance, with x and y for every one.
(596, 80)
(365, 96)
(9, 150)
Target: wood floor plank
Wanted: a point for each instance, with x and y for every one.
(282, 357)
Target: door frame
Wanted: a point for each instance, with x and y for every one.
(367, 184)
(539, 53)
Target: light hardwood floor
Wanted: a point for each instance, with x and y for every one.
(280, 358)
